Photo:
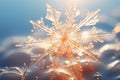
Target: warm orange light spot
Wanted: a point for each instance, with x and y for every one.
(64, 38)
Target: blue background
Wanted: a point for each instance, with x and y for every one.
(14, 21)
(15, 14)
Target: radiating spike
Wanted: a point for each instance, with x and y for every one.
(65, 39)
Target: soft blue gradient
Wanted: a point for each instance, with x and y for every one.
(15, 14)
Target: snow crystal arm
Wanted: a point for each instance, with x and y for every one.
(90, 19)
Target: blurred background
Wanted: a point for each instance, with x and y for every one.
(15, 14)
(14, 27)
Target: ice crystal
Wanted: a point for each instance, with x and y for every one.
(66, 39)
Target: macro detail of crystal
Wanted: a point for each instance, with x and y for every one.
(65, 50)
(66, 39)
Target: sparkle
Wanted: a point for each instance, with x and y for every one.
(66, 39)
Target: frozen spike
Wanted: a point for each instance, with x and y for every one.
(65, 38)
(90, 17)
(40, 25)
(53, 15)
(40, 22)
(31, 22)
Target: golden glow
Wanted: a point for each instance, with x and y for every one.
(66, 39)
(85, 35)
(117, 28)
(67, 4)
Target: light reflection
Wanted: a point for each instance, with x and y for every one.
(112, 64)
(67, 4)
(60, 70)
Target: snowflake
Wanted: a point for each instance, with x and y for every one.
(66, 39)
